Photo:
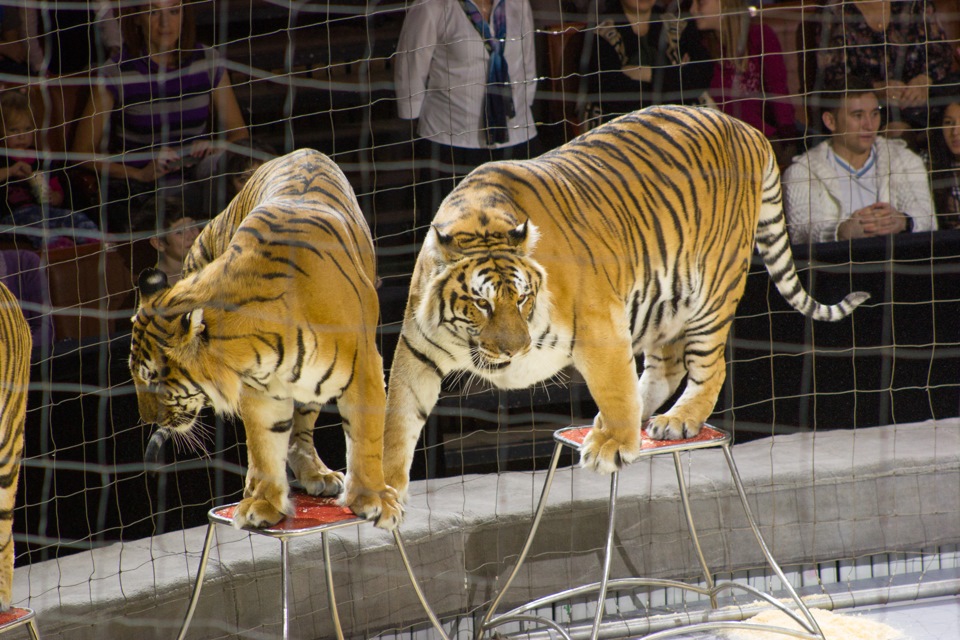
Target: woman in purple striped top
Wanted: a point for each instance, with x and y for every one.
(147, 124)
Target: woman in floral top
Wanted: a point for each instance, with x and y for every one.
(899, 47)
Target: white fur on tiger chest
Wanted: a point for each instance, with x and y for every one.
(541, 362)
(550, 351)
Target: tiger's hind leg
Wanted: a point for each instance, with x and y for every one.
(663, 370)
(317, 479)
(706, 370)
(268, 423)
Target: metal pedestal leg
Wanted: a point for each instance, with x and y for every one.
(312, 515)
(709, 437)
(201, 571)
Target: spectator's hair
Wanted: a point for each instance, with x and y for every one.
(135, 39)
(730, 43)
(157, 214)
(14, 104)
(243, 161)
(941, 158)
(833, 95)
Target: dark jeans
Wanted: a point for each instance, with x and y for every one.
(446, 166)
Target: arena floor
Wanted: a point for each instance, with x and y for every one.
(926, 619)
(933, 619)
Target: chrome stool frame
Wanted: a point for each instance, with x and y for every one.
(16, 617)
(573, 438)
(312, 515)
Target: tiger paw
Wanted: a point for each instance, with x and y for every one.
(256, 513)
(318, 483)
(382, 507)
(668, 427)
(605, 454)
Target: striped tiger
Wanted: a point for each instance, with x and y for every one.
(15, 345)
(275, 315)
(635, 237)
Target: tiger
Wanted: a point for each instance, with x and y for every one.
(15, 346)
(275, 315)
(633, 238)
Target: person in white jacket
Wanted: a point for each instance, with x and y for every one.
(466, 73)
(856, 184)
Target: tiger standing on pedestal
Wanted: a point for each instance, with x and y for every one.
(634, 237)
(276, 314)
(15, 345)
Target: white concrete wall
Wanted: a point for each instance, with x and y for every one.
(829, 495)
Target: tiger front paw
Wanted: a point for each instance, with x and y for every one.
(382, 507)
(603, 453)
(256, 513)
(673, 427)
(323, 483)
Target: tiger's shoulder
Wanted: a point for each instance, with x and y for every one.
(304, 175)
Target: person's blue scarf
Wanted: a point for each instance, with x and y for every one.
(498, 101)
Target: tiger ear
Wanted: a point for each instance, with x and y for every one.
(190, 334)
(524, 237)
(446, 244)
(151, 282)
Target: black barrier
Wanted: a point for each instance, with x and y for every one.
(895, 360)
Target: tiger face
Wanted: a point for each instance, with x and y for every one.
(165, 339)
(485, 301)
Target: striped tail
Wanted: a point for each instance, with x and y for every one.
(774, 247)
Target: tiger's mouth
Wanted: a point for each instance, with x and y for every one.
(489, 362)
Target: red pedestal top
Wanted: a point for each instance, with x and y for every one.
(708, 437)
(13, 615)
(310, 513)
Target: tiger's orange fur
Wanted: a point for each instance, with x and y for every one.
(15, 345)
(276, 314)
(635, 237)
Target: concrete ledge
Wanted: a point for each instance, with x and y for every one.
(817, 497)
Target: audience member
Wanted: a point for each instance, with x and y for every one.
(23, 274)
(642, 57)
(899, 47)
(749, 74)
(856, 184)
(172, 232)
(242, 162)
(13, 46)
(466, 73)
(67, 37)
(944, 152)
(34, 200)
(156, 101)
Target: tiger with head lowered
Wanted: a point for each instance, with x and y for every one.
(276, 314)
(635, 237)
(15, 345)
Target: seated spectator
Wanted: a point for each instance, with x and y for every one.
(855, 184)
(241, 163)
(33, 200)
(157, 100)
(898, 47)
(22, 272)
(749, 75)
(172, 232)
(642, 57)
(944, 153)
(67, 37)
(13, 45)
